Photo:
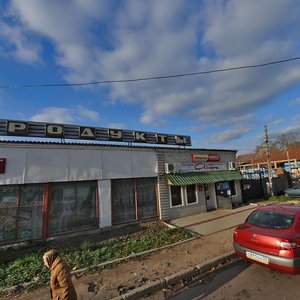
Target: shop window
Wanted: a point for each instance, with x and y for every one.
(72, 206)
(133, 199)
(176, 196)
(123, 200)
(191, 194)
(226, 188)
(21, 212)
(146, 196)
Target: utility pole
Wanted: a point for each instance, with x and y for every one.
(268, 161)
(288, 157)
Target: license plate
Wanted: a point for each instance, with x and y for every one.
(257, 257)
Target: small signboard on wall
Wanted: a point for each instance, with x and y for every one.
(205, 157)
(198, 167)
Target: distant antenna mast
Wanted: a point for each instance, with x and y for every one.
(268, 160)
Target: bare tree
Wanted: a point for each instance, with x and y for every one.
(285, 140)
(281, 142)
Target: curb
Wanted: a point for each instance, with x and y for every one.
(173, 279)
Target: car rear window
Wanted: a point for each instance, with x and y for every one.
(271, 219)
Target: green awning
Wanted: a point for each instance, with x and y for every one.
(202, 177)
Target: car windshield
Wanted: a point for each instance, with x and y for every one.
(271, 219)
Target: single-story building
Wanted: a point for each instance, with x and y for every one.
(53, 188)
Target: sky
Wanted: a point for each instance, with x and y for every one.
(81, 41)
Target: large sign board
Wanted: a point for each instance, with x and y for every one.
(64, 131)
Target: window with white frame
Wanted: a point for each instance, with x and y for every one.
(181, 195)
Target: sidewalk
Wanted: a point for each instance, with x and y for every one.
(156, 269)
(215, 221)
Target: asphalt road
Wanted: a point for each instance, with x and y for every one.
(244, 281)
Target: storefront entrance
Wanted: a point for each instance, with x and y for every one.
(210, 197)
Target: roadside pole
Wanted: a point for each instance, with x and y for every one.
(268, 161)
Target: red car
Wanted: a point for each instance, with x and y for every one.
(270, 236)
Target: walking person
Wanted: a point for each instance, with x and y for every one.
(61, 286)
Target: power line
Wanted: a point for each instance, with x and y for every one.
(149, 78)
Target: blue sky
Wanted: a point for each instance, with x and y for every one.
(76, 41)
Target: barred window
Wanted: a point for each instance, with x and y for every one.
(133, 199)
(146, 195)
(72, 206)
(21, 212)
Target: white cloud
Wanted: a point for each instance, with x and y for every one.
(65, 115)
(242, 27)
(278, 121)
(58, 20)
(116, 125)
(295, 101)
(231, 134)
(295, 127)
(242, 120)
(87, 113)
(55, 115)
(296, 119)
(18, 44)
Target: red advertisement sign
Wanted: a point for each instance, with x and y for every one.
(205, 157)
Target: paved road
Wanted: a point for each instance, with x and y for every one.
(244, 281)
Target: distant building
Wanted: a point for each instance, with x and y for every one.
(255, 164)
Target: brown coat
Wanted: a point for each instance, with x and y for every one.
(61, 285)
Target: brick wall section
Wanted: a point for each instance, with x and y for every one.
(163, 190)
(178, 212)
(167, 212)
(182, 156)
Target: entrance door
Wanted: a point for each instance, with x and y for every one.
(210, 197)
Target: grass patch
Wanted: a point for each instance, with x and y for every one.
(26, 265)
(281, 198)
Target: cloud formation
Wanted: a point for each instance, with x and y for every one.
(20, 46)
(105, 40)
(295, 101)
(65, 115)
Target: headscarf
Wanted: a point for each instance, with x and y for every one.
(50, 256)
